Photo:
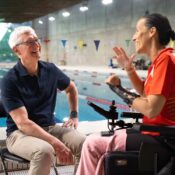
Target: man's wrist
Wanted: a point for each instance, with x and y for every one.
(73, 114)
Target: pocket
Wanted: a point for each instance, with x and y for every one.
(11, 139)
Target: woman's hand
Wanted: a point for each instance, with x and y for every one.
(113, 80)
(123, 60)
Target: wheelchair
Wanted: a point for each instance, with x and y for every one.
(151, 159)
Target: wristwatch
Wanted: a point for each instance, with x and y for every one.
(73, 114)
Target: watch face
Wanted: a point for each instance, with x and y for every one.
(73, 114)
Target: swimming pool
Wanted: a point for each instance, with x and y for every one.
(91, 87)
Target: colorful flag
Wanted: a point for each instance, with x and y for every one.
(97, 43)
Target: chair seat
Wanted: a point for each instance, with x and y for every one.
(6, 155)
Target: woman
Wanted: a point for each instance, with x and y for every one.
(157, 92)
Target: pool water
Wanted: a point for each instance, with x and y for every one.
(86, 112)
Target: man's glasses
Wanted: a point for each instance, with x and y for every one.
(30, 42)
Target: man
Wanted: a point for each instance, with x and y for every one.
(29, 92)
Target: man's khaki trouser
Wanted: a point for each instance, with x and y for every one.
(41, 153)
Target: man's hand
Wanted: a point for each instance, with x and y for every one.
(63, 154)
(71, 123)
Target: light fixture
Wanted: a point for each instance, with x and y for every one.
(51, 18)
(106, 2)
(40, 22)
(66, 14)
(84, 6)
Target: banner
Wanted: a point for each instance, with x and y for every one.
(80, 43)
(127, 42)
(97, 43)
(64, 42)
(171, 43)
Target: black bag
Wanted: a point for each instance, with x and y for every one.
(121, 163)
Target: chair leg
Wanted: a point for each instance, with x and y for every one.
(4, 166)
(55, 169)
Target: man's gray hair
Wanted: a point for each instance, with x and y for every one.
(15, 38)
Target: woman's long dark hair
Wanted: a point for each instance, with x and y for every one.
(162, 24)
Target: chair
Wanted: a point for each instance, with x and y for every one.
(6, 156)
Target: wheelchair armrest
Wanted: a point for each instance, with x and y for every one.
(133, 115)
(163, 130)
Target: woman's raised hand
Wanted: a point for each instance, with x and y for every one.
(122, 58)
